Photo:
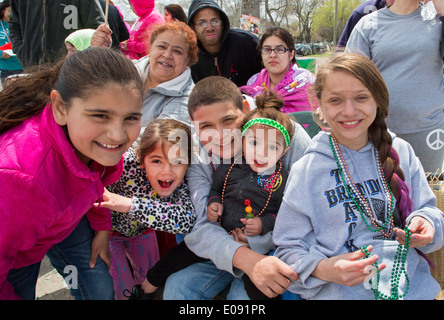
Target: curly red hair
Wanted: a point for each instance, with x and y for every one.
(182, 29)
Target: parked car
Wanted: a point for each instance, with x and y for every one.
(302, 49)
(318, 47)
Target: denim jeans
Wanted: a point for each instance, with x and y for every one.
(70, 258)
(203, 281)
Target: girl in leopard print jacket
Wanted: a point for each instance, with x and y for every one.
(150, 195)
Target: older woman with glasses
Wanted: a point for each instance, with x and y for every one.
(281, 73)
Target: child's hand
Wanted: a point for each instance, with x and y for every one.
(422, 233)
(253, 226)
(240, 236)
(115, 202)
(100, 247)
(214, 211)
(123, 45)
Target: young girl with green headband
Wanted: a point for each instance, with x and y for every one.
(246, 194)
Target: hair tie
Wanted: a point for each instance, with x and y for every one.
(271, 123)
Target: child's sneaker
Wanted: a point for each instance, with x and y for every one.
(138, 294)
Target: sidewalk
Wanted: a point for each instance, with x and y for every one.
(50, 285)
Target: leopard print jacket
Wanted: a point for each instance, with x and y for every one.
(174, 214)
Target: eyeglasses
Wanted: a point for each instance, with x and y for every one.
(277, 50)
(204, 24)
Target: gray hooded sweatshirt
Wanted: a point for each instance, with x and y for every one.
(317, 220)
(169, 100)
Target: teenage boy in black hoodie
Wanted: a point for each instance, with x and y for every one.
(231, 53)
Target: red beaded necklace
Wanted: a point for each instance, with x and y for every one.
(247, 202)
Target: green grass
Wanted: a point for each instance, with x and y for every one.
(327, 54)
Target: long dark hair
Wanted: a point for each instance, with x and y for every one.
(76, 77)
(177, 12)
(3, 5)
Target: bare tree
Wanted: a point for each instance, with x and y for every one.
(277, 11)
(304, 11)
(252, 8)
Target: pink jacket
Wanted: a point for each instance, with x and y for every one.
(149, 17)
(293, 88)
(45, 189)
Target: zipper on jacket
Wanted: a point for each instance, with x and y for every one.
(217, 65)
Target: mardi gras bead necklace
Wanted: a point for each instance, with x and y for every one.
(362, 205)
(398, 270)
(247, 202)
(210, 155)
(358, 198)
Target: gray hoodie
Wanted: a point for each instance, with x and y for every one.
(317, 220)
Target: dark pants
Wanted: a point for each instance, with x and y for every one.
(70, 258)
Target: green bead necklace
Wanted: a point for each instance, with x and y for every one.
(397, 271)
(354, 193)
(402, 251)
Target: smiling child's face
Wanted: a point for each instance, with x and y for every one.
(263, 147)
(217, 126)
(165, 168)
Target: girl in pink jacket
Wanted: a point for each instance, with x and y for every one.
(136, 46)
(55, 161)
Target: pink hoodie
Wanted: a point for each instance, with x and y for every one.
(45, 189)
(149, 17)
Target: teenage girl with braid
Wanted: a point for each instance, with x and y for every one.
(361, 230)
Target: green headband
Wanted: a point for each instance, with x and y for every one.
(271, 123)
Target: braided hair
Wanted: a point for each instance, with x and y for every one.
(365, 71)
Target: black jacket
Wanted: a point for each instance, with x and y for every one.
(237, 58)
(38, 28)
(243, 183)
